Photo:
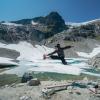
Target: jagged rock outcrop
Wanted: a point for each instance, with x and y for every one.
(25, 29)
(12, 34)
(39, 28)
(51, 24)
(89, 30)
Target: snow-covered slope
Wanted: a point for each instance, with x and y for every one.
(74, 24)
(11, 24)
(82, 23)
(27, 51)
(31, 59)
(6, 61)
(94, 52)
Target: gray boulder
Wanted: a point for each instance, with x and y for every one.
(34, 82)
(26, 77)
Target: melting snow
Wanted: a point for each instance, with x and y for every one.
(94, 52)
(82, 23)
(31, 59)
(27, 51)
(7, 61)
(11, 24)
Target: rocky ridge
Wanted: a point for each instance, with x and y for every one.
(41, 28)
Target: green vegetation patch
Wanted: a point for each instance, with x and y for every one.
(97, 38)
(8, 79)
(58, 77)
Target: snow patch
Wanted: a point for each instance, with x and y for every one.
(11, 24)
(46, 66)
(28, 51)
(82, 23)
(6, 61)
(34, 23)
(94, 52)
(31, 59)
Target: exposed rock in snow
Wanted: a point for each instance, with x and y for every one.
(27, 51)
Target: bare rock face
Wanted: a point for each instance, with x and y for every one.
(9, 53)
(45, 27)
(13, 34)
(23, 29)
(34, 82)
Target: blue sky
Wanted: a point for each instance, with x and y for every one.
(70, 10)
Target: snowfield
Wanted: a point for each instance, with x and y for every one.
(7, 61)
(27, 51)
(75, 24)
(31, 59)
(47, 66)
(94, 52)
(11, 24)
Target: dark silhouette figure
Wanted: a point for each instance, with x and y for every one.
(60, 52)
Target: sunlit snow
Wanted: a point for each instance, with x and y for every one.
(31, 59)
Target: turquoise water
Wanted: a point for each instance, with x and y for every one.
(69, 61)
(25, 65)
(75, 62)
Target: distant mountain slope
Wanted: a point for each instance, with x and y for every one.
(77, 31)
(35, 29)
(82, 23)
(10, 33)
(51, 24)
(40, 28)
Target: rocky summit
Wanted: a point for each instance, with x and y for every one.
(35, 29)
(40, 28)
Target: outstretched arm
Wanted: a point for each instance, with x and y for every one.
(51, 53)
(67, 47)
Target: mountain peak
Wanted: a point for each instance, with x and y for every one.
(53, 14)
